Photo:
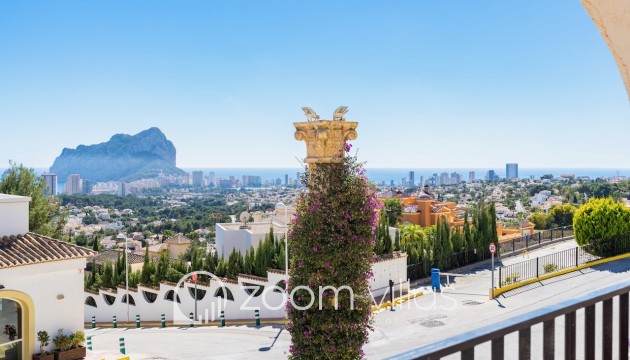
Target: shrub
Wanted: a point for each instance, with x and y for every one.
(62, 342)
(511, 279)
(332, 244)
(549, 268)
(599, 222)
(44, 340)
(78, 338)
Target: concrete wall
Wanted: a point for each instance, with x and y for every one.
(56, 289)
(208, 308)
(394, 269)
(14, 214)
(229, 238)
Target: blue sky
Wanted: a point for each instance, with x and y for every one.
(454, 83)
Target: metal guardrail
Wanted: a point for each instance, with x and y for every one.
(566, 259)
(465, 344)
(525, 242)
(534, 268)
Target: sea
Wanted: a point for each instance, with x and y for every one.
(387, 175)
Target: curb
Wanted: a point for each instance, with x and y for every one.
(156, 324)
(397, 301)
(507, 288)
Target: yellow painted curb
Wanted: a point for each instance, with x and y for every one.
(507, 288)
(157, 324)
(397, 301)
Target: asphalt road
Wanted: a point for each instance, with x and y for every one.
(462, 307)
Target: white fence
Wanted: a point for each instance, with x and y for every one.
(238, 299)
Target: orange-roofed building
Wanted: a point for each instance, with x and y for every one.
(422, 209)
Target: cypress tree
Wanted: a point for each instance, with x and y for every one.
(397, 241)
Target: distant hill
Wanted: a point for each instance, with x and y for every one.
(122, 158)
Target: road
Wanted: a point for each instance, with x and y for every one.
(461, 307)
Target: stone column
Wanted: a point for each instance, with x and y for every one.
(325, 140)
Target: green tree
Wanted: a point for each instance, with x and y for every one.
(148, 269)
(540, 220)
(411, 234)
(45, 216)
(397, 241)
(561, 215)
(392, 210)
(442, 249)
(600, 222)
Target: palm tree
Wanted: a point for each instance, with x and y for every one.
(411, 234)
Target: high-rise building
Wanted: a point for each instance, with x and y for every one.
(471, 176)
(122, 189)
(421, 183)
(212, 177)
(455, 178)
(232, 181)
(286, 179)
(412, 180)
(86, 186)
(197, 178)
(511, 171)
(50, 180)
(444, 178)
(491, 176)
(73, 185)
(251, 181)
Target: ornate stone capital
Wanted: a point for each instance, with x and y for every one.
(325, 139)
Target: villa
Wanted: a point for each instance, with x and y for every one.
(41, 281)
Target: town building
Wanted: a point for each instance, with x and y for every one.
(73, 185)
(422, 209)
(174, 247)
(50, 181)
(511, 171)
(240, 237)
(197, 178)
(491, 176)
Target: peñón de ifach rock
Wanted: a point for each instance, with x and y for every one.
(145, 155)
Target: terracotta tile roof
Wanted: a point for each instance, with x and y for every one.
(158, 248)
(178, 239)
(112, 255)
(32, 248)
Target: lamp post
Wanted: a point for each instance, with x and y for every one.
(127, 276)
(286, 241)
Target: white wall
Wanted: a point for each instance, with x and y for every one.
(210, 304)
(228, 239)
(43, 283)
(14, 214)
(395, 269)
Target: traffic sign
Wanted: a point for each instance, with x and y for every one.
(194, 277)
(492, 248)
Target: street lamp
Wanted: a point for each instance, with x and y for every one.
(286, 241)
(127, 276)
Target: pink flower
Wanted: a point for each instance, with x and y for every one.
(314, 248)
(348, 147)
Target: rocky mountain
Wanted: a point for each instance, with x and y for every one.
(122, 158)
